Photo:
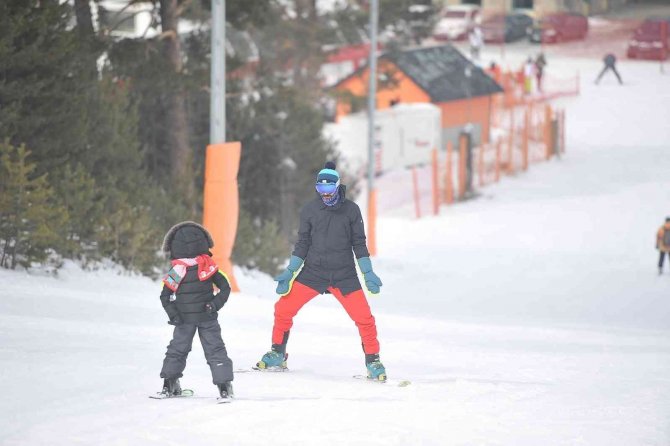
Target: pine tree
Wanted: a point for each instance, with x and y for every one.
(31, 221)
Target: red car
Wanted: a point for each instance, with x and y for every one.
(560, 27)
(651, 40)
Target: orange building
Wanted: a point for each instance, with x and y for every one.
(440, 75)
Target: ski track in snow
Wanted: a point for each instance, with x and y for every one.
(531, 316)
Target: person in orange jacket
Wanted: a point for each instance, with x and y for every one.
(663, 243)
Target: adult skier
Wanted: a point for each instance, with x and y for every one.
(331, 227)
(610, 65)
(191, 305)
(663, 243)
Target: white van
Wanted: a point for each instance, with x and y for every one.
(456, 21)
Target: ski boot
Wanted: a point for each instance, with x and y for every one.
(376, 370)
(272, 360)
(171, 387)
(225, 392)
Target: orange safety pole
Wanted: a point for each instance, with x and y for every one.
(510, 145)
(436, 185)
(562, 131)
(221, 202)
(417, 197)
(524, 141)
(547, 130)
(372, 222)
(450, 187)
(461, 167)
(498, 150)
(480, 164)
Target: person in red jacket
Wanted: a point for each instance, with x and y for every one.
(663, 243)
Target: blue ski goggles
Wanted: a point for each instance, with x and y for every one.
(327, 188)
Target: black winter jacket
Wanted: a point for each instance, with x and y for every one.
(192, 295)
(326, 238)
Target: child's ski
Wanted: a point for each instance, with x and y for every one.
(393, 382)
(164, 396)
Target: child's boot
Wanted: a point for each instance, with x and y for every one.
(225, 391)
(171, 387)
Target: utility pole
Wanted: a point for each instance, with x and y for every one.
(372, 105)
(217, 106)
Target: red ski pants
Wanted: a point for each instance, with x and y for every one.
(355, 304)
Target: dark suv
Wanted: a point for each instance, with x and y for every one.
(560, 27)
(651, 40)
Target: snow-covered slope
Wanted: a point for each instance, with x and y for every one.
(532, 316)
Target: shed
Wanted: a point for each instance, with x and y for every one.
(440, 75)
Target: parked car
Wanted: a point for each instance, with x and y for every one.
(506, 27)
(455, 22)
(560, 27)
(651, 40)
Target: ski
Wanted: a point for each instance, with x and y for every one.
(162, 396)
(226, 400)
(393, 382)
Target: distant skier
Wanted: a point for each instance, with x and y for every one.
(610, 64)
(663, 243)
(331, 227)
(540, 63)
(476, 39)
(528, 72)
(189, 301)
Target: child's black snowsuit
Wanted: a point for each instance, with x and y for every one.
(193, 306)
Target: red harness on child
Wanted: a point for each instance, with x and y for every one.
(206, 269)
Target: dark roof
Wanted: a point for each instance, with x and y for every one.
(441, 72)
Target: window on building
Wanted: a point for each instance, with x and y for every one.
(118, 21)
(472, 2)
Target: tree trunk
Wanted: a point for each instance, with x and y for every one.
(82, 9)
(176, 123)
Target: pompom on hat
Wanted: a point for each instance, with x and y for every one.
(328, 174)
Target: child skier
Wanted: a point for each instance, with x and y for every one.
(191, 305)
(330, 228)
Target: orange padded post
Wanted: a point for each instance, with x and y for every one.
(221, 202)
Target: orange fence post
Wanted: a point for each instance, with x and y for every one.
(461, 167)
(449, 195)
(498, 150)
(417, 196)
(562, 131)
(547, 131)
(510, 145)
(480, 164)
(524, 141)
(372, 222)
(221, 202)
(436, 185)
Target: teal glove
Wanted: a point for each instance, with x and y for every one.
(372, 280)
(285, 279)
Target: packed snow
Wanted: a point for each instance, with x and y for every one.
(532, 315)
